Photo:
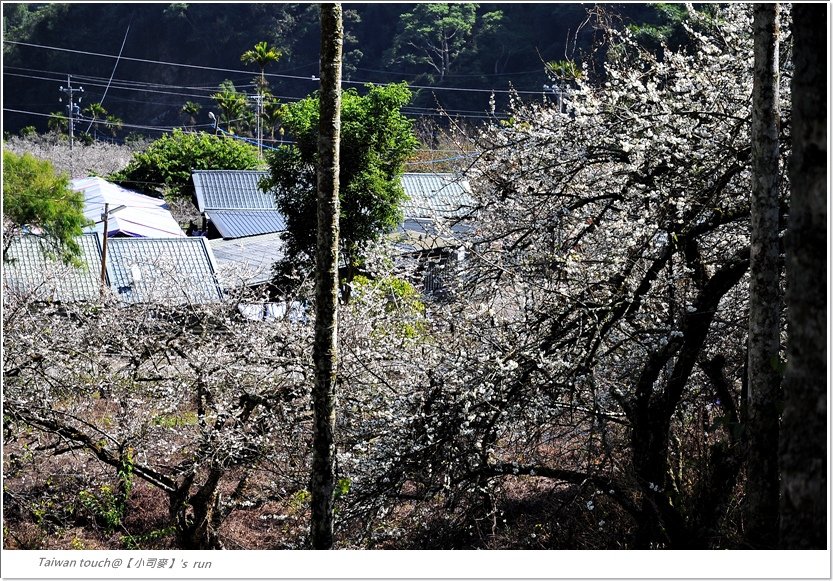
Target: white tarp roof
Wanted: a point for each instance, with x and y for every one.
(142, 216)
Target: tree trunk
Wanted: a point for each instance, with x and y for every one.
(803, 452)
(649, 442)
(325, 352)
(762, 487)
(196, 516)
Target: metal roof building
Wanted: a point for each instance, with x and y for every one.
(32, 269)
(138, 270)
(436, 195)
(435, 212)
(163, 270)
(247, 261)
(234, 205)
(139, 215)
(243, 223)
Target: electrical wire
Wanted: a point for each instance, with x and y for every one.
(207, 91)
(415, 111)
(101, 101)
(276, 75)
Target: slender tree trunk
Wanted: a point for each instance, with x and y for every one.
(762, 487)
(322, 481)
(803, 452)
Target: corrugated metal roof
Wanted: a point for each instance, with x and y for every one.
(231, 189)
(242, 223)
(162, 270)
(247, 261)
(32, 269)
(419, 234)
(140, 215)
(436, 195)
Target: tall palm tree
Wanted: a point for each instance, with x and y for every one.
(114, 124)
(262, 54)
(95, 111)
(57, 122)
(233, 106)
(271, 113)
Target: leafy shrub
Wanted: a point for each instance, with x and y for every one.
(166, 165)
(398, 296)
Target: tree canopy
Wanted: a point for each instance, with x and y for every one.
(165, 165)
(376, 139)
(37, 199)
(434, 35)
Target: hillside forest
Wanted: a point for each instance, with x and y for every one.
(628, 346)
(172, 54)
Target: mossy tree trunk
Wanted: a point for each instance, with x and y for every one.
(322, 481)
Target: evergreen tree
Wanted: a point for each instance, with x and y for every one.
(376, 140)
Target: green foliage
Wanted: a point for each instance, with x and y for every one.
(100, 119)
(376, 140)
(342, 487)
(434, 35)
(400, 293)
(234, 107)
(299, 499)
(58, 122)
(167, 163)
(566, 70)
(270, 113)
(40, 510)
(35, 197)
(176, 420)
(147, 540)
(28, 131)
(125, 476)
(103, 504)
(191, 109)
(401, 298)
(107, 505)
(262, 54)
(664, 26)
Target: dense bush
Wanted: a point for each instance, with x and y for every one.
(165, 166)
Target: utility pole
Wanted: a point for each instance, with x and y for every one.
(259, 100)
(72, 108)
(104, 216)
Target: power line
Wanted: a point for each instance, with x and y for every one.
(149, 61)
(117, 86)
(114, 66)
(449, 75)
(163, 128)
(91, 78)
(276, 75)
(143, 87)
